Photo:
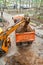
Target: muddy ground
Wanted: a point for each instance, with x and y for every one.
(29, 55)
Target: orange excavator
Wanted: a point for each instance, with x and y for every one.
(4, 40)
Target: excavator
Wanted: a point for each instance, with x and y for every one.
(5, 40)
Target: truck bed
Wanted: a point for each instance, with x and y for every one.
(25, 37)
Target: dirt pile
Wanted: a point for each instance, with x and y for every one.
(24, 27)
(25, 57)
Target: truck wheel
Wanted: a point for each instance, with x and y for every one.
(19, 43)
(30, 42)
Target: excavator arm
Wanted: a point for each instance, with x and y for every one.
(10, 30)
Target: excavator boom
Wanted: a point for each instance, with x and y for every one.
(10, 30)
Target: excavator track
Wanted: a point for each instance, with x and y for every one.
(2, 53)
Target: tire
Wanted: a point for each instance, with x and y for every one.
(30, 42)
(17, 43)
(20, 43)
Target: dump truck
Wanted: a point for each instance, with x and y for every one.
(24, 33)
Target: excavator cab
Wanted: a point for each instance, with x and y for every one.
(4, 44)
